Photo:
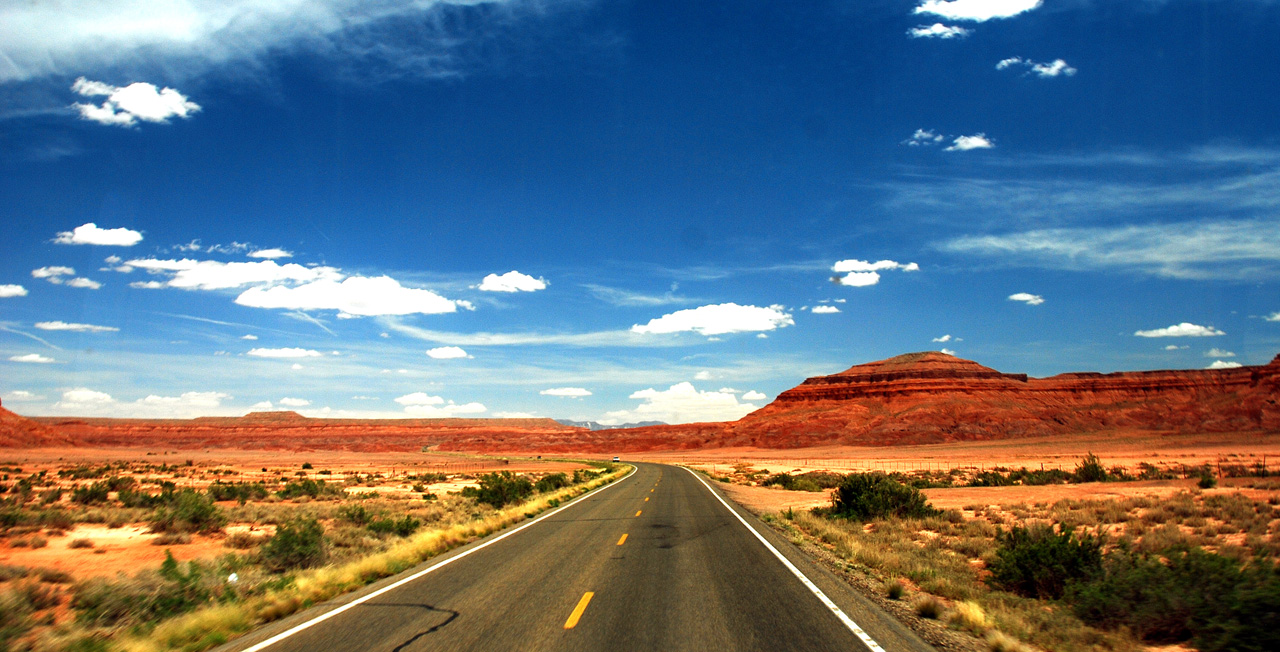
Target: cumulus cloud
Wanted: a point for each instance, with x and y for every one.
(512, 281)
(1027, 298)
(976, 10)
(946, 351)
(718, 319)
(83, 283)
(704, 375)
(90, 234)
(753, 395)
(353, 296)
(262, 405)
(1219, 364)
(419, 398)
(1275, 316)
(18, 395)
(126, 105)
(1175, 347)
(1215, 352)
(447, 353)
(186, 400)
(147, 285)
(966, 143)
(1055, 68)
(938, 30)
(573, 392)
(56, 274)
(445, 411)
(35, 358)
(924, 138)
(944, 338)
(249, 337)
(862, 273)
(78, 328)
(294, 402)
(7, 291)
(681, 403)
(83, 398)
(287, 352)
(271, 253)
(1185, 329)
(825, 310)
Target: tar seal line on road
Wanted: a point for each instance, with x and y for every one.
(365, 598)
(844, 618)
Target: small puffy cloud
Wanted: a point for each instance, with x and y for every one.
(718, 319)
(976, 10)
(682, 403)
(419, 398)
(18, 395)
(286, 352)
(1219, 364)
(297, 367)
(354, 296)
(77, 328)
(190, 274)
(1055, 68)
(966, 143)
(249, 337)
(53, 273)
(946, 351)
(1027, 298)
(1215, 352)
(825, 310)
(1185, 329)
(271, 253)
(34, 358)
(1175, 347)
(262, 405)
(923, 138)
(944, 338)
(863, 273)
(186, 400)
(938, 30)
(444, 411)
(703, 375)
(90, 234)
(753, 395)
(294, 402)
(512, 281)
(1275, 316)
(7, 291)
(83, 398)
(447, 353)
(147, 285)
(83, 283)
(126, 105)
(572, 392)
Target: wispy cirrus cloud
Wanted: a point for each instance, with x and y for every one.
(74, 327)
(1055, 68)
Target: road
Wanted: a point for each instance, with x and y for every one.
(656, 561)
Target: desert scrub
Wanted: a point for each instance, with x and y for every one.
(1039, 562)
(499, 489)
(295, 545)
(188, 511)
(864, 496)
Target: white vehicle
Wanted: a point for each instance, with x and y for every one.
(617, 459)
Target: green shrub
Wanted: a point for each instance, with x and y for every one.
(1039, 562)
(1091, 469)
(188, 511)
(146, 597)
(309, 488)
(866, 496)
(239, 491)
(1207, 481)
(498, 489)
(299, 544)
(93, 494)
(356, 514)
(551, 482)
(403, 527)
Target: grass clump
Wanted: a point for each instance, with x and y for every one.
(866, 496)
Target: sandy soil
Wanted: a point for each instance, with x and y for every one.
(118, 550)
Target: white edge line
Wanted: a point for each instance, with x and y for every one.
(844, 618)
(361, 600)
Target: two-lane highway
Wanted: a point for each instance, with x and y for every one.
(656, 561)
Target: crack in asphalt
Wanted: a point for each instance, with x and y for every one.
(453, 615)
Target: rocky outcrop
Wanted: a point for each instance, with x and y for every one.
(17, 431)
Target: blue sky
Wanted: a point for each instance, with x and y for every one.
(620, 210)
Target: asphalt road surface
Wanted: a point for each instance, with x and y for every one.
(656, 561)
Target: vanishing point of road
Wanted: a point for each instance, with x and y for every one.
(655, 561)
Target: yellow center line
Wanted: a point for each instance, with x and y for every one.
(577, 611)
(646, 499)
(622, 540)
(638, 512)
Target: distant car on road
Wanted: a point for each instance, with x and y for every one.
(617, 459)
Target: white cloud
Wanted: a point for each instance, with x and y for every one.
(419, 398)
(297, 367)
(938, 30)
(753, 395)
(33, 358)
(286, 352)
(703, 375)
(512, 281)
(53, 273)
(83, 398)
(262, 405)
(681, 403)
(355, 295)
(718, 319)
(946, 351)
(1218, 353)
(1054, 68)
(1027, 298)
(1275, 316)
(966, 143)
(294, 402)
(1219, 364)
(863, 273)
(574, 392)
(444, 411)
(825, 310)
(923, 138)
(79, 328)
(126, 105)
(447, 353)
(249, 337)
(1175, 347)
(944, 338)
(1185, 329)
(215, 275)
(270, 253)
(90, 234)
(186, 400)
(83, 283)
(515, 415)
(976, 10)
(620, 297)
(19, 395)
(7, 291)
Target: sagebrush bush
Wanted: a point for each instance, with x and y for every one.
(1091, 469)
(188, 511)
(866, 496)
(551, 482)
(500, 489)
(1039, 562)
(299, 544)
(146, 597)
(402, 527)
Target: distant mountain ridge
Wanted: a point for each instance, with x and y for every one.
(594, 425)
